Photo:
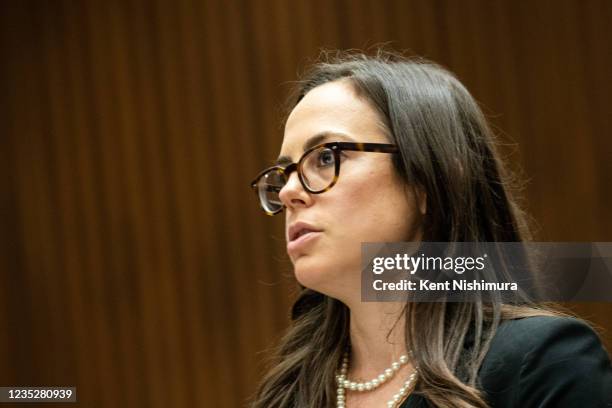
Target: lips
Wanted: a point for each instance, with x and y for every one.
(299, 229)
(299, 236)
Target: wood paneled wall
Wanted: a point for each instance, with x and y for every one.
(134, 263)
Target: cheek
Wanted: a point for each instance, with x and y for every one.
(375, 209)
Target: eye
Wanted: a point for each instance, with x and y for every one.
(325, 158)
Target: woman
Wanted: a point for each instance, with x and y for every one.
(384, 149)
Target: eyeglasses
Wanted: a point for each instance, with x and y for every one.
(318, 170)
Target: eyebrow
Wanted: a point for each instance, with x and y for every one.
(313, 141)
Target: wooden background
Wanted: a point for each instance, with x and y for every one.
(134, 263)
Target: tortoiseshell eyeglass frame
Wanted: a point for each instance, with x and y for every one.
(336, 148)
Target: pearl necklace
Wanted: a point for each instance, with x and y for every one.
(345, 383)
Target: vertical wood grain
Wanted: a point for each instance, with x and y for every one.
(134, 261)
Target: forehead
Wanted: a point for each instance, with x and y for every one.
(332, 108)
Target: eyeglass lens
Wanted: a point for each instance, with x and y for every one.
(318, 169)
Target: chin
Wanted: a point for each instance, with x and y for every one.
(312, 274)
(321, 277)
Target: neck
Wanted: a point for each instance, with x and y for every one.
(377, 337)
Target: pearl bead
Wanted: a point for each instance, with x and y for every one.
(344, 383)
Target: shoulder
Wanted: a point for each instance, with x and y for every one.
(556, 337)
(546, 361)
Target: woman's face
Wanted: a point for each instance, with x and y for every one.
(369, 202)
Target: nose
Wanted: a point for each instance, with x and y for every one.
(293, 195)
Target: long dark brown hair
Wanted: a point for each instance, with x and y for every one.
(448, 150)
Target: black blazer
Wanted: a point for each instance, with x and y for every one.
(543, 362)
